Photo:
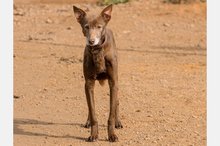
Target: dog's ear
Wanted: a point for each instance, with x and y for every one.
(106, 13)
(79, 13)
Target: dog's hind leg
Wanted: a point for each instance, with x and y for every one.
(87, 125)
(113, 101)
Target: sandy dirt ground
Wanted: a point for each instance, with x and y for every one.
(162, 75)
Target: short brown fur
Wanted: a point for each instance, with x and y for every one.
(100, 63)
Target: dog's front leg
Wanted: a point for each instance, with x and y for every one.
(118, 123)
(113, 84)
(89, 90)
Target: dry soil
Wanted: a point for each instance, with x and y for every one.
(162, 75)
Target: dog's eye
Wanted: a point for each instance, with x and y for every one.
(99, 26)
(86, 26)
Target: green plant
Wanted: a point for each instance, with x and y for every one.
(172, 1)
(107, 2)
(179, 1)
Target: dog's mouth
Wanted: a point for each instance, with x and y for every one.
(96, 46)
(93, 45)
(92, 42)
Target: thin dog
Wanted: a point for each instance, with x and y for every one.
(100, 63)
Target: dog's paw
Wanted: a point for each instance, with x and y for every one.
(113, 138)
(93, 138)
(87, 125)
(118, 124)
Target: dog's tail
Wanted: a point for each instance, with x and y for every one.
(102, 82)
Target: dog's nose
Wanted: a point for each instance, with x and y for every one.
(91, 41)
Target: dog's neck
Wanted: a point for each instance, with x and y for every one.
(98, 55)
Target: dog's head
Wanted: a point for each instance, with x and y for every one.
(93, 27)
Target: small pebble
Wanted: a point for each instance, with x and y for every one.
(49, 21)
(166, 24)
(16, 96)
(15, 55)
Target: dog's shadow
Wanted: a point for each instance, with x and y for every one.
(19, 131)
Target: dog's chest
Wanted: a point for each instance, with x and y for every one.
(99, 62)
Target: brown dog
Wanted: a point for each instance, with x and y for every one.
(100, 63)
